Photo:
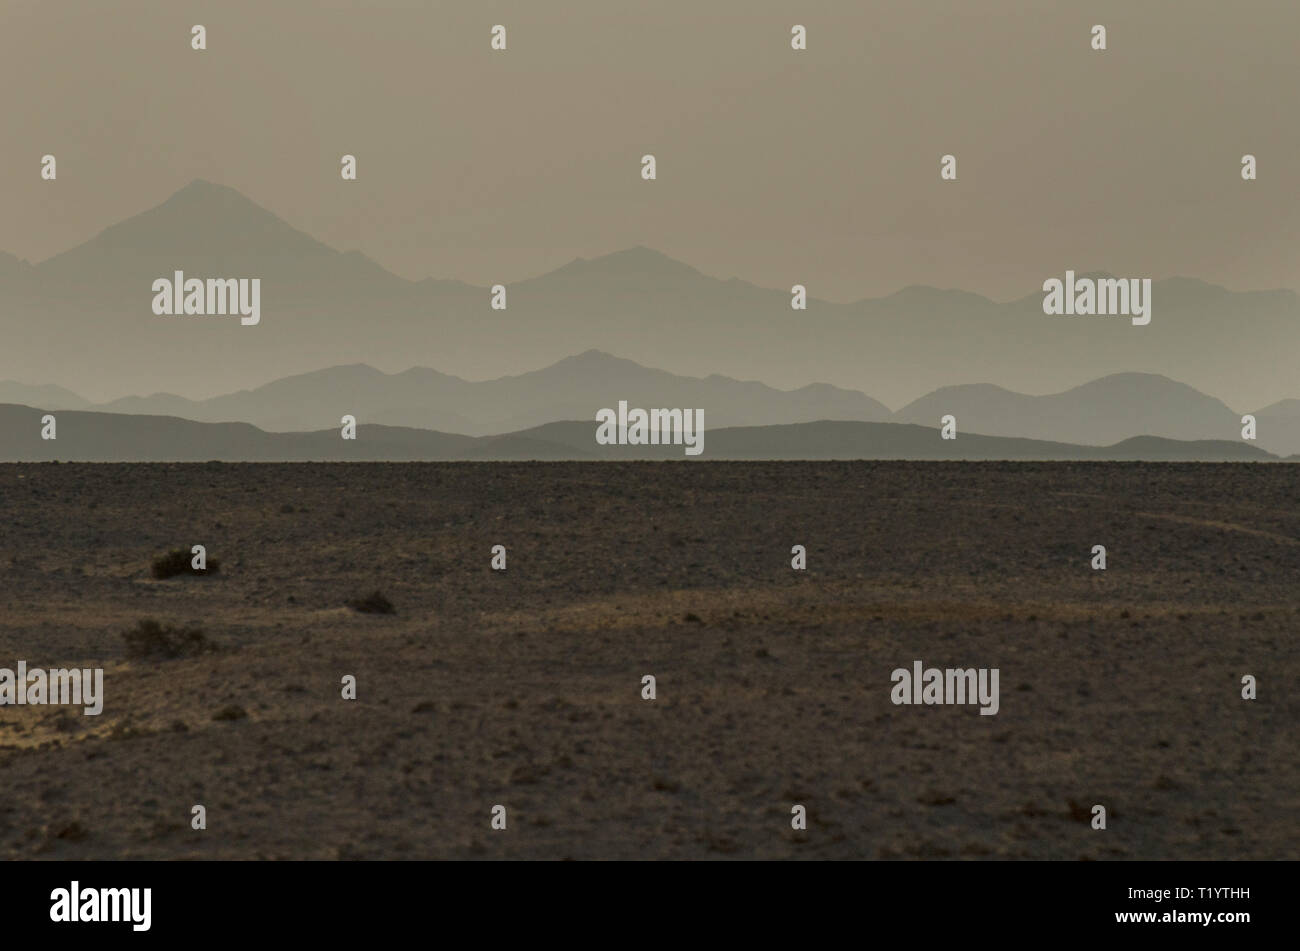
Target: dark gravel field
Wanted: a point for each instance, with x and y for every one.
(523, 688)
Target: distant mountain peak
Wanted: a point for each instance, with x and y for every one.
(203, 195)
(1133, 376)
(927, 294)
(636, 261)
(638, 252)
(355, 370)
(201, 185)
(591, 356)
(593, 362)
(202, 218)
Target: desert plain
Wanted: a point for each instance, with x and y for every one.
(523, 687)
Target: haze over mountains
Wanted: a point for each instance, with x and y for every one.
(82, 320)
(107, 437)
(1100, 413)
(573, 388)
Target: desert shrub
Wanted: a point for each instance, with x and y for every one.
(177, 562)
(373, 603)
(151, 639)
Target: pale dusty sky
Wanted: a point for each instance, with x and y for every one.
(824, 164)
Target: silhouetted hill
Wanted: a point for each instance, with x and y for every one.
(108, 437)
(1283, 409)
(1278, 427)
(573, 388)
(1099, 413)
(828, 439)
(44, 394)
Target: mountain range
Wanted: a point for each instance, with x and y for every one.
(573, 388)
(82, 319)
(1099, 413)
(108, 437)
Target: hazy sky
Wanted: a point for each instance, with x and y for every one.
(774, 166)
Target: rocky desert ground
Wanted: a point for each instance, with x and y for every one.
(523, 687)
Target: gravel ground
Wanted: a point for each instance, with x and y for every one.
(523, 687)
